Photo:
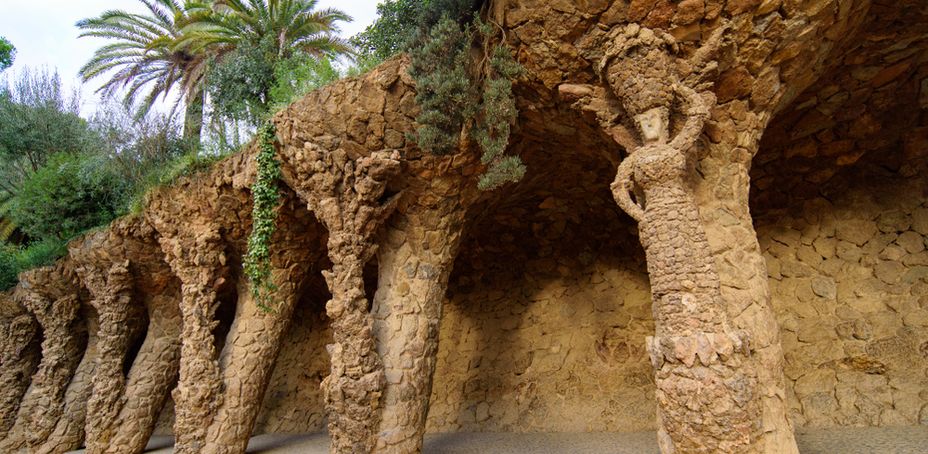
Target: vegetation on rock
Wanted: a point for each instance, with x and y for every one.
(459, 97)
(266, 198)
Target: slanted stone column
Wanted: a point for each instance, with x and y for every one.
(122, 408)
(68, 433)
(196, 254)
(50, 295)
(111, 288)
(416, 256)
(705, 374)
(18, 360)
(151, 378)
(254, 340)
(345, 195)
(722, 190)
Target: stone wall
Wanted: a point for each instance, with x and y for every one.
(850, 283)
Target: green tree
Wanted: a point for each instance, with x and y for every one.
(249, 39)
(7, 53)
(146, 55)
(390, 34)
(69, 194)
(36, 121)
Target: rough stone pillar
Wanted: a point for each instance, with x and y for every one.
(56, 310)
(151, 378)
(247, 361)
(254, 340)
(112, 293)
(414, 271)
(416, 256)
(197, 257)
(18, 360)
(722, 190)
(346, 195)
(68, 433)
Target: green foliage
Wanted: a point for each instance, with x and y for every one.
(446, 91)
(299, 75)
(9, 266)
(401, 24)
(391, 32)
(239, 85)
(266, 197)
(251, 42)
(7, 53)
(69, 194)
(458, 96)
(250, 83)
(37, 121)
(14, 260)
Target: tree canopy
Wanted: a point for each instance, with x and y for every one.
(7, 53)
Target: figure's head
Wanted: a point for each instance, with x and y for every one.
(641, 70)
(654, 125)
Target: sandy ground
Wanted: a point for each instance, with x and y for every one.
(884, 440)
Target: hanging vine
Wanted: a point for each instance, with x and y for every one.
(266, 197)
(459, 97)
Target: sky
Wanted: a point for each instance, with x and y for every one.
(44, 34)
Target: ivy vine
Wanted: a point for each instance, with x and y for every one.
(266, 198)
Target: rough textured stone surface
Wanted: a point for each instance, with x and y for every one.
(816, 137)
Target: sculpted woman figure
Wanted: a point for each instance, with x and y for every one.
(705, 382)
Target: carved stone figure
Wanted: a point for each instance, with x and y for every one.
(705, 386)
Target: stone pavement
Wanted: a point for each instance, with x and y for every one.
(855, 440)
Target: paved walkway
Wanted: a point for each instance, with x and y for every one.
(891, 440)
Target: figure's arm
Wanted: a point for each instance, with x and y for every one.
(622, 189)
(697, 112)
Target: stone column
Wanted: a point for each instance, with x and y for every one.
(151, 378)
(722, 191)
(416, 256)
(254, 340)
(346, 196)
(112, 294)
(17, 364)
(68, 433)
(56, 311)
(247, 361)
(196, 255)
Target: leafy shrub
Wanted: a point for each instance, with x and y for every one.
(70, 193)
(299, 75)
(14, 260)
(9, 266)
(7, 53)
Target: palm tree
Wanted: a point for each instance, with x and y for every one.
(146, 55)
(296, 25)
(249, 39)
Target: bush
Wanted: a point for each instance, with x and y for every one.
(69, 194)
(14, 260)
(9, 266)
